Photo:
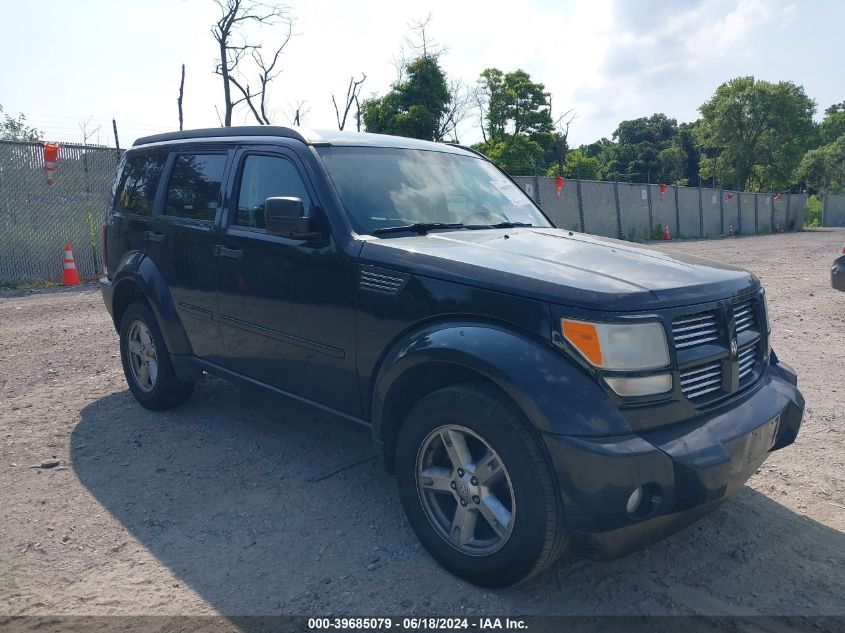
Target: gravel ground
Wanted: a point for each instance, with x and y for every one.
(225, 505)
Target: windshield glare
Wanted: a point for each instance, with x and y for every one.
(384, 187)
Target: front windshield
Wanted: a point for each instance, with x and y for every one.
(388, 187)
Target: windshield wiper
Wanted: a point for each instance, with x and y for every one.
(510, 225)
(418, 227)
(500, 225)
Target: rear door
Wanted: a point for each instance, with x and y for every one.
(286, 307)
(180, 240)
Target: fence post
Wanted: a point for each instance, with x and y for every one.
(722, 211)
(825, 197)
(537, 191)
(618, 209)
(756, 220)
(700, 211)
(677, 213)
(580, 205)
(788, 204)
(739, 212)
(772, 209)
(650, 213)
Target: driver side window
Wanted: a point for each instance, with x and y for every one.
(265, 177)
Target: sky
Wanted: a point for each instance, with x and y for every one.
(75, 65)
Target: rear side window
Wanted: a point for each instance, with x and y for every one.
(267, 177)
(136, 189)
(194, 186)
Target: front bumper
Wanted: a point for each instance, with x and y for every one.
(685, 470)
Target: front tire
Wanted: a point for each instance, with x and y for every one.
(477, 488)
(146, 361)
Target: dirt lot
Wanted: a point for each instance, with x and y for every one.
(219, 506)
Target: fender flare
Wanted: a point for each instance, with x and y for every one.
(556, 395)
(142, 272)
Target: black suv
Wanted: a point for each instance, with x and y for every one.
(535, 390)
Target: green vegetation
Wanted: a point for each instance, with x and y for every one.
(16, 129)
(813, 212)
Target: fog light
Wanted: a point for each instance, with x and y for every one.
(641, 385)
(634, 500)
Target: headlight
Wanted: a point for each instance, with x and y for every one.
(641, 385)
(619, 346)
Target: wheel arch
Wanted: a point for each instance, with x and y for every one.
(551, 392)
(142, 280)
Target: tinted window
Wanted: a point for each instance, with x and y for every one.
(267, 177)
(136, 190)
(195, 186)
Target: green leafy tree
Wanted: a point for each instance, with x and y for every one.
(833, 124)
(759, 130)
(645, 150)
(578, 165)
(415, 105)
(823, 168)
(518, 128)
(16, 129)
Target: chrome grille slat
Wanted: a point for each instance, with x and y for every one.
(693, 330)
(695, 394)
(701, 380)
(744, 316)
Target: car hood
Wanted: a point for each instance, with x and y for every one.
(562, 267)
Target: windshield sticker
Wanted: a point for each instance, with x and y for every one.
(510, 191)
(456, 204)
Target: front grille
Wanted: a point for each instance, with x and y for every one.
(744, 317)
(701, 380)
(747, 356)
(697, 329)
(707, 370)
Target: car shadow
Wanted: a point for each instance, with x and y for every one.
(265, 506)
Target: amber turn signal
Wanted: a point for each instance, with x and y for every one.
(585, 338)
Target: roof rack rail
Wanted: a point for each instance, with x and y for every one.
(213, 132)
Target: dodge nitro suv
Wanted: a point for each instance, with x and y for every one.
(535, 390)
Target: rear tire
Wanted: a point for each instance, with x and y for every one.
(504, 480)
(146, 361)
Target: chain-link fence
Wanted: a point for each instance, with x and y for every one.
(641, 211)
(37, 219)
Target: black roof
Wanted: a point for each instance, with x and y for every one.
(308, 136)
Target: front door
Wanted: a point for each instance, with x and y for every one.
(180, 241)
(286, 307)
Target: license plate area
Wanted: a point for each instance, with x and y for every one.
(749, 450)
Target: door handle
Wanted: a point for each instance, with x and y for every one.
(152, 236)
(232, 253)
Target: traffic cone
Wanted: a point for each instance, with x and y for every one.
(666, 235)
(70, 276)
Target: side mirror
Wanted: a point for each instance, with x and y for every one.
(284, 216)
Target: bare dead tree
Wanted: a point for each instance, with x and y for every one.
(352, 92)
(461, 100)
(233, 48)
(561, 135)
(299, 112)
(357, 114)
(181, 94)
